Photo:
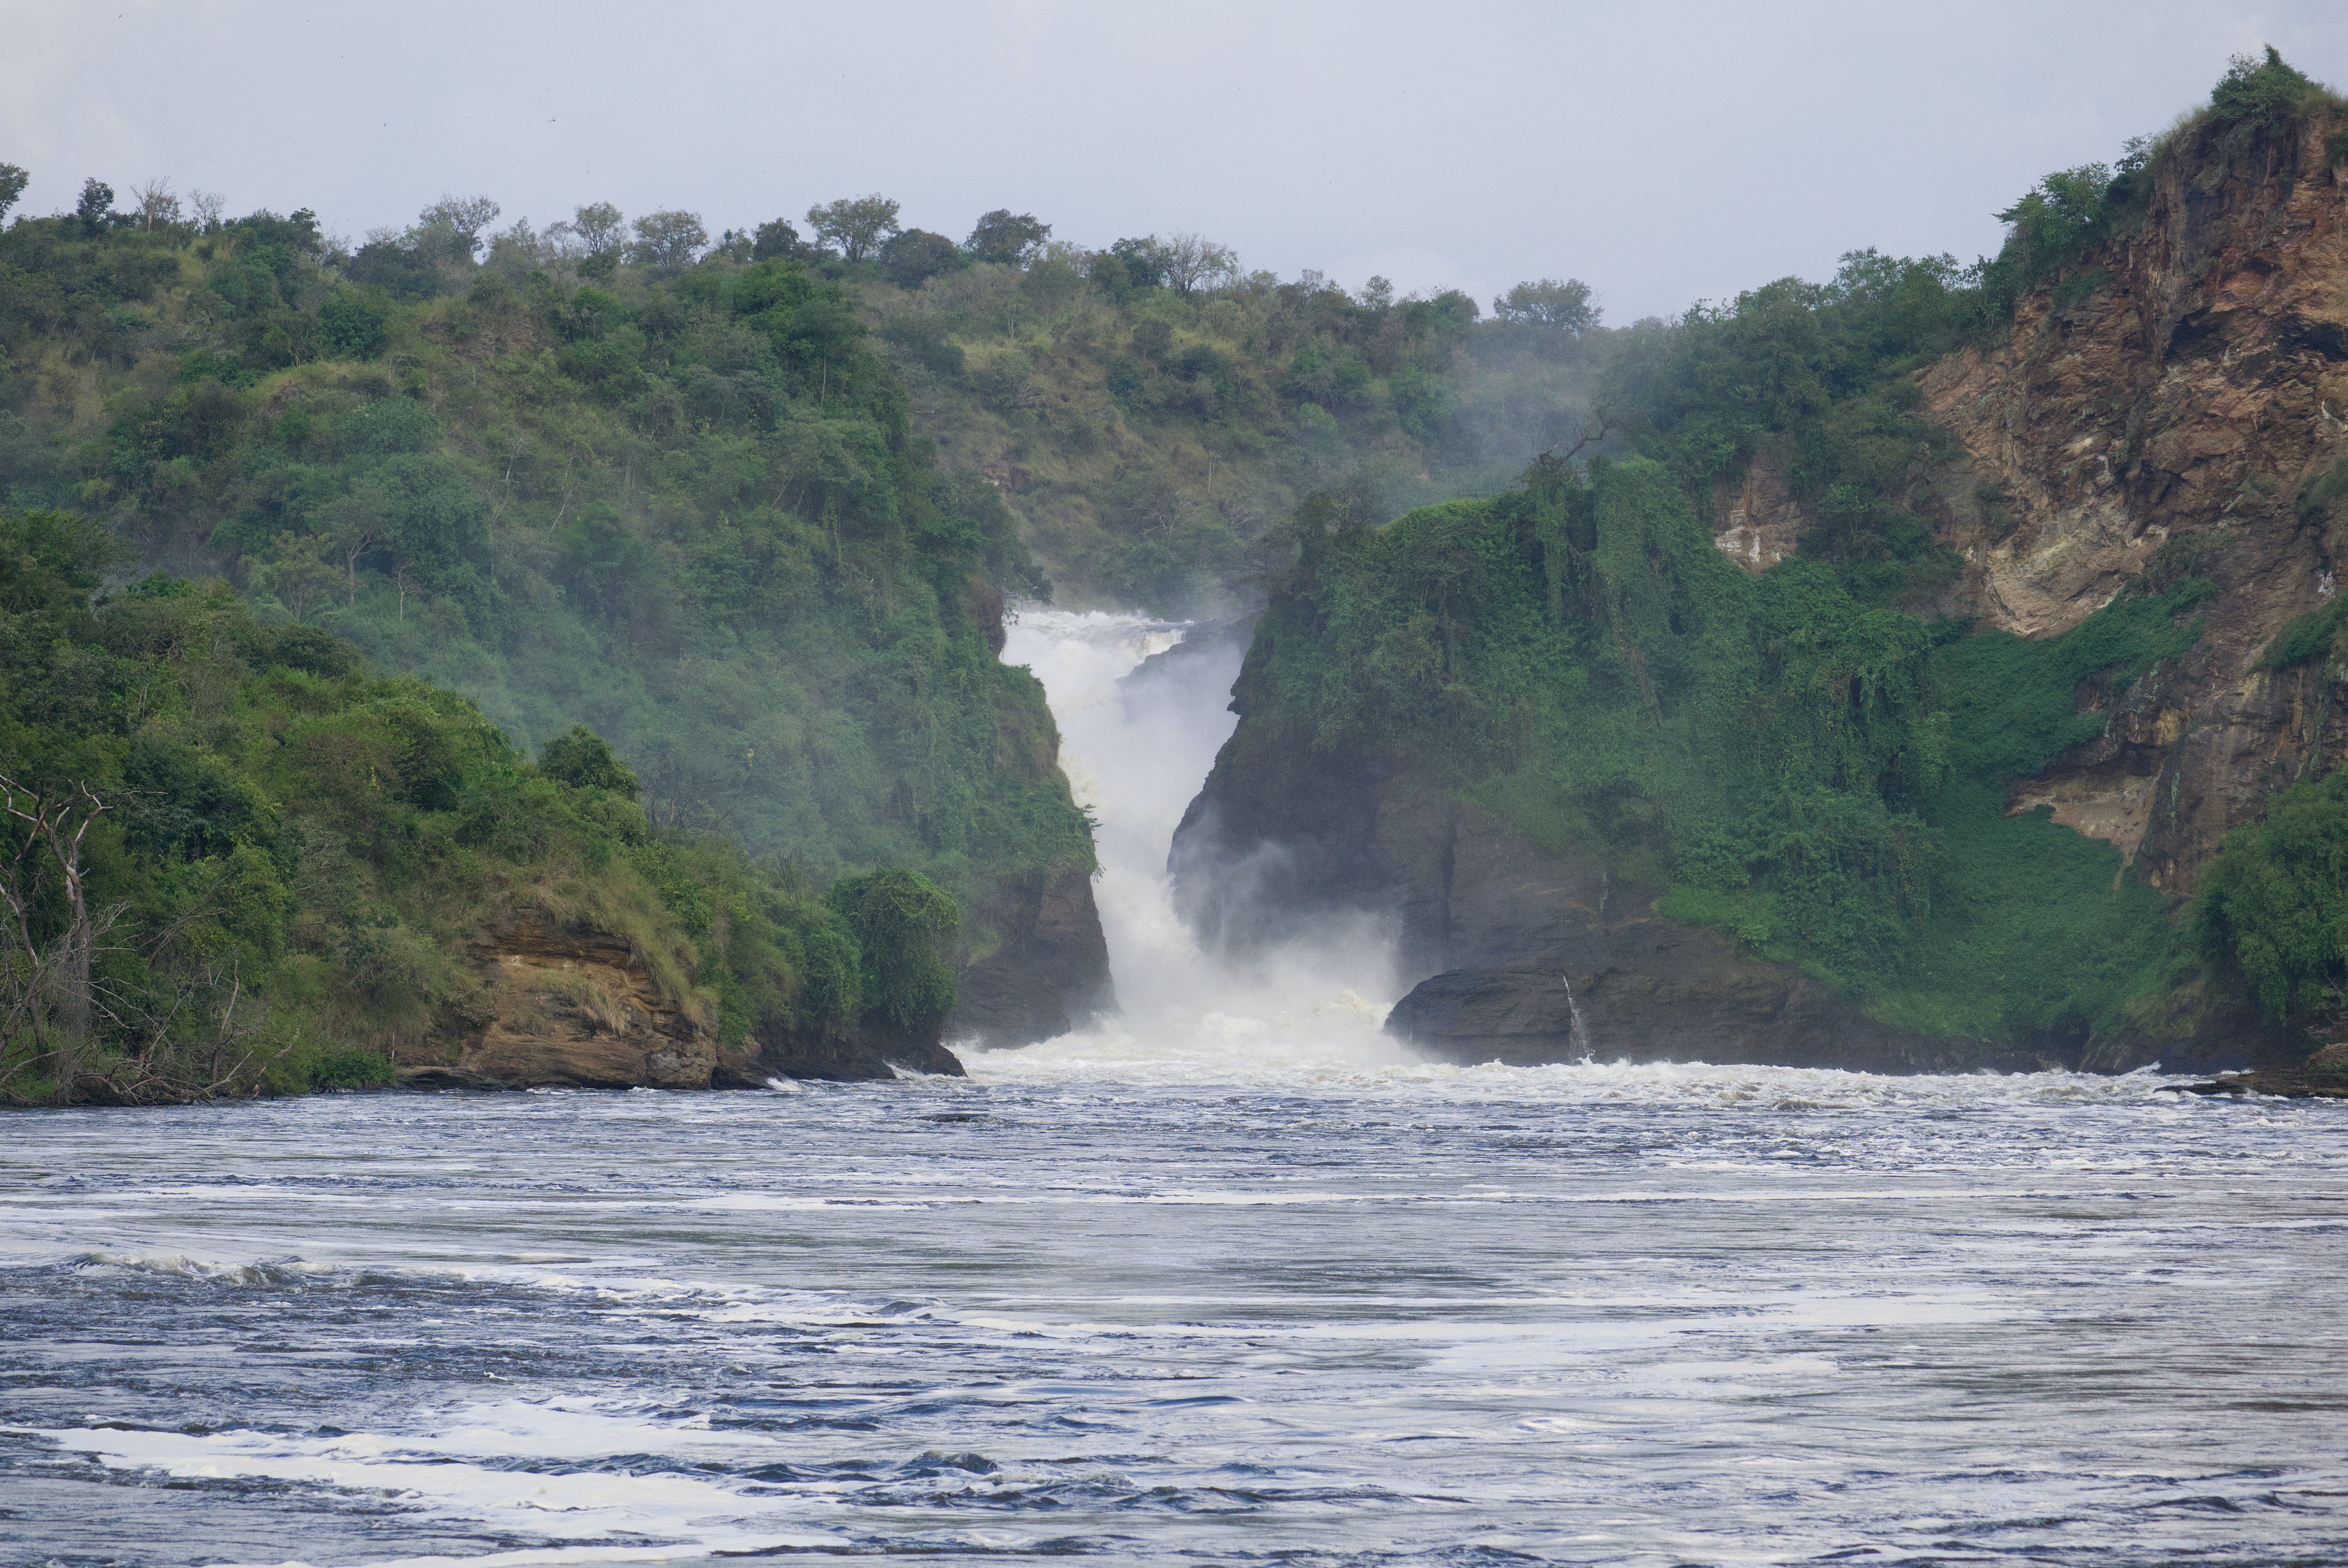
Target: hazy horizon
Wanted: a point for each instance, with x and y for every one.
(1679, 153)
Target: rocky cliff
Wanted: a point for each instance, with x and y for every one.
(1048, 970)
(2175, 416)
(1519, 953)
(558, 1008)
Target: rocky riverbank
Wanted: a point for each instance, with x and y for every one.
(2323, 1076)
(569, 1008)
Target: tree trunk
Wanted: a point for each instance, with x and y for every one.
(74, 1008)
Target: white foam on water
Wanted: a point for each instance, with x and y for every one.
(459, 1468)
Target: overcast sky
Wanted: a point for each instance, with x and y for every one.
(1664, 153)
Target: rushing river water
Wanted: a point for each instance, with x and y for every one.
(1227, 1280)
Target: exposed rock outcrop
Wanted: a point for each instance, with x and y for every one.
(557, 1008)
(2323, 1076)
(2168, 420)
(1756, 522)
(862, 1055)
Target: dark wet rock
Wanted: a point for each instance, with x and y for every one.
(444, 1078)
(1224, 641)
(1049, 972)
(1691, 1003)
(2321, 1076)
(870, 1054)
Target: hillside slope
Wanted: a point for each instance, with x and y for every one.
(1154, 441)
(238, 864)
(678, 501)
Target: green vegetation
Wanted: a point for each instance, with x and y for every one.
(1824, 779)
(2264, 98)
(238, 863)
(579, 476)
(1815, 376)
(2274, 908)
(1796, 758)
(1156, 412)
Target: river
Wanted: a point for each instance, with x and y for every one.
(1225, 1279)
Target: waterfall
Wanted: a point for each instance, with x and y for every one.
(1136, 745)
(1580, 1035)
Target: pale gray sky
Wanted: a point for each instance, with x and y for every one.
(1662, 153)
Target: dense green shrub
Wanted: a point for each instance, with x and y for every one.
(904, 927)
(2274, 906)
(2263, 95)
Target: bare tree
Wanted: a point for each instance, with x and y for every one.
(157, 206)
(1193, 262)
(56, 824)
(1601, 426)
(207, 205)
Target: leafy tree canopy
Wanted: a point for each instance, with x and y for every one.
(858, 225)
(1563, 307)
(1006, 237)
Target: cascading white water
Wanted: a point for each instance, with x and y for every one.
(1136, 752)
(1580, 1033)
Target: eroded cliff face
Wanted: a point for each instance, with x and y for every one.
(1756, 522)
(2166, 422)
(561, 1008)
(556, 1007)
(1048, 972)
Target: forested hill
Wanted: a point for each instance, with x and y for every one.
(1949, 653)
(681, 504)
(238, 862)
